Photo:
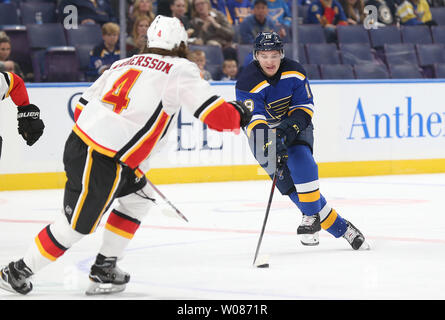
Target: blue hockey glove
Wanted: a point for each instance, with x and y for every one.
(288, 130)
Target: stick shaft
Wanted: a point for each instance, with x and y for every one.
(166, 200)
(275, 176)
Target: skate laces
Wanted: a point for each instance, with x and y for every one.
(308, 220)
(350, 234)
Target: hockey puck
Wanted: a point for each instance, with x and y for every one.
(264, 265)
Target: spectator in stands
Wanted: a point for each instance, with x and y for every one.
(103, 55)
(178, 9)
(7, 64)
(238, 10)
(89, 11)
(354, 11)
(328, 13)
(257, 22)
(199, 57)
(281, 16)
(219, 5)
(229, 70)
(140, 8)
(211, 25)
(138, 39)
(415, 12)
(423, 12)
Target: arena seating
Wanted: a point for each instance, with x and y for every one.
(39, 41)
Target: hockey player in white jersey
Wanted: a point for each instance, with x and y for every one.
(120, 120)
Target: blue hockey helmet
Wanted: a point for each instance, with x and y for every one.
(268, 41)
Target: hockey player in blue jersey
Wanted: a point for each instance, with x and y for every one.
(277, 91)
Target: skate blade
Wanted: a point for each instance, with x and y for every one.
(309, 239)
(364, 246)
(104, 288)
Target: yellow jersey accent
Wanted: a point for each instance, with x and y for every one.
(259, 87)
(253, 124)
(329, 221)
(309, 197)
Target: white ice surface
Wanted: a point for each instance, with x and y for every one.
(402, 217)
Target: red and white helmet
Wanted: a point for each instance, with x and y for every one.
(166, 33)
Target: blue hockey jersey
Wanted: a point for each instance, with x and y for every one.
(273, 99)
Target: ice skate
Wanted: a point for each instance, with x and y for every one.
(308, 230)
(106, 277)
(355, 237)
(15, 277)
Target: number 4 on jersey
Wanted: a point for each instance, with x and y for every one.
(118, 95)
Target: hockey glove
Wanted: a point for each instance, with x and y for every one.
(280, 151)
(30, 125)
(245, 113)
(288, 131)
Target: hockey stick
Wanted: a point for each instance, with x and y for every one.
(166, 200)
(275, 176)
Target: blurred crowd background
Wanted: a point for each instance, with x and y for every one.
(77, 40)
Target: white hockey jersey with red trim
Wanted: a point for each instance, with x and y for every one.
(130, 107)
(11, 85)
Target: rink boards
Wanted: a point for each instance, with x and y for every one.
(361, 128)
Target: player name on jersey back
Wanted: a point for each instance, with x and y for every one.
(145, 61)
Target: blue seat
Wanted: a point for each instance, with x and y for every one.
(319, 53)
(311, 33)
(438, 14)
(214, 54)
(336, 71)
(83, 56)
(31, 12)
(371, 71)
(288, 52)
(405, 71)
(416, 34)
(355, 53)
(312, 71)
(439, 69)
(352, 34)
(41, 37)
(400, 53)
(429, 54)
(85, 34)
(61, 64)
(46, 35)
(438, 33)
(384, 35)
(8, 14)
